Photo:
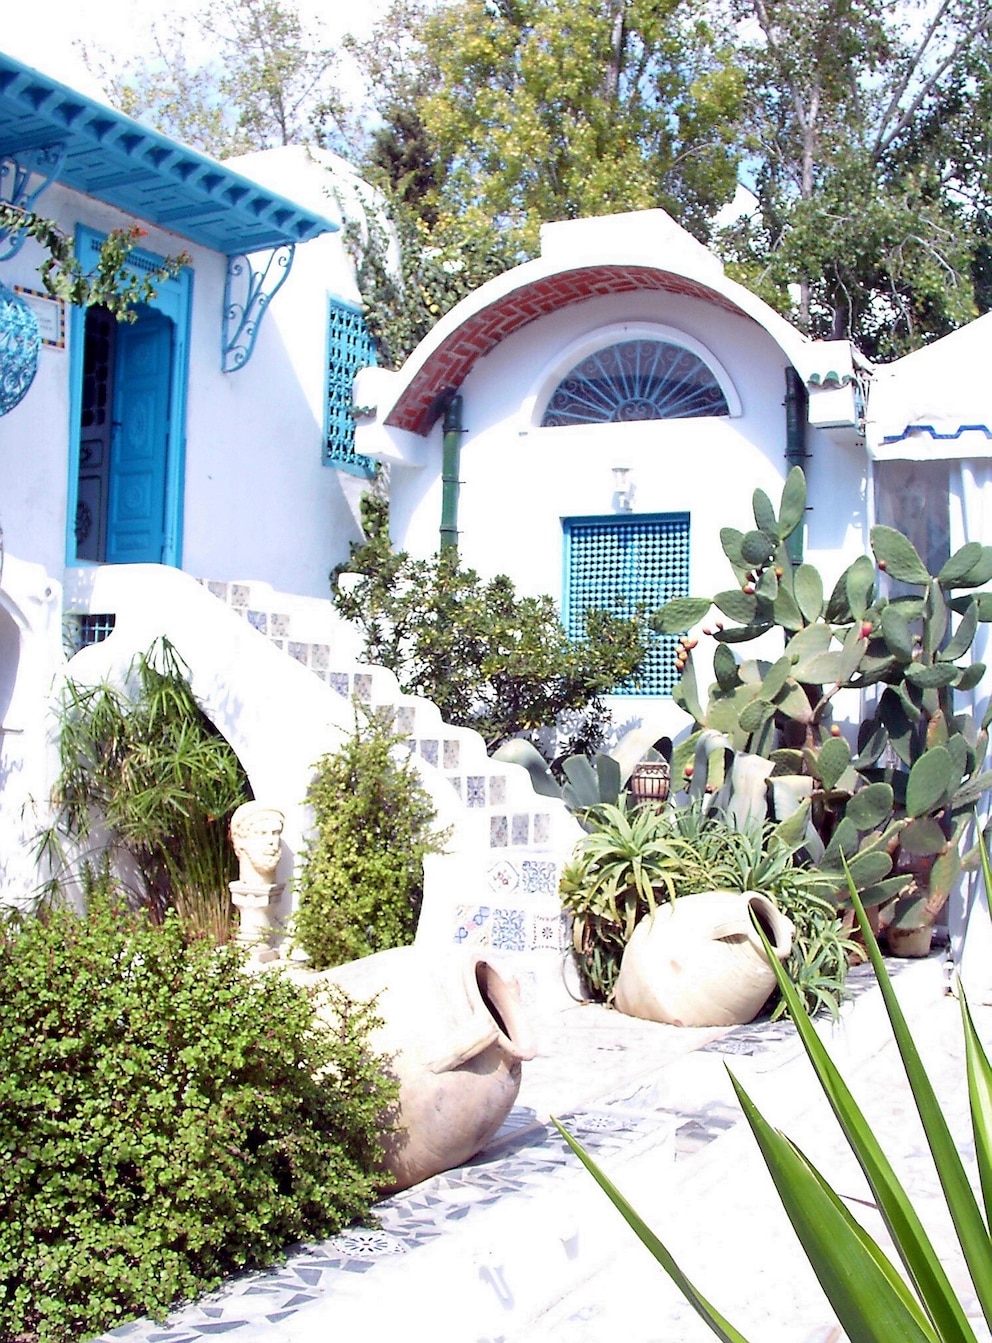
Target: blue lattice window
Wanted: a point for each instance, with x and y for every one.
(635, 380)
(349, 348)
(617, 563)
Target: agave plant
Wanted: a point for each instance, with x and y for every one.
(872, 1300)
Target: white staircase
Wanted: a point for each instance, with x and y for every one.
(278, 675)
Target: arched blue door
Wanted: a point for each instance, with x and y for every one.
(140, 439)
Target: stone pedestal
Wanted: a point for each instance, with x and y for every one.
(254, 904)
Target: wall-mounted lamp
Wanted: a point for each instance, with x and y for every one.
(623, 488)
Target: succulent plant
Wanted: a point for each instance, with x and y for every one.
(897, 806)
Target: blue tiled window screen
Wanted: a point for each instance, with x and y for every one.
(349, 348)
(617, 563)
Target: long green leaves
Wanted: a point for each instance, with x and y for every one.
(871, 1300)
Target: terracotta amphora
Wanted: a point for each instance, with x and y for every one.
(455, 1035)
(698, 960)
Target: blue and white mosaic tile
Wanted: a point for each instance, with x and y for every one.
(299, 652)
(258, 620)
(452, 753)
(279, 625)
(339, 681)
(497, 790)
(498, 832)
(363, 687)
(428, 749)
(475, 790)
(520, 830)
(503, 877)
(539, 878)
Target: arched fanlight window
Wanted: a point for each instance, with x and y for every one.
(635, 380)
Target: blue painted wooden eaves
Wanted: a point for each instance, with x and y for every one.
(115, 159)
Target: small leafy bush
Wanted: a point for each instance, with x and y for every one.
(166, 1119)
(362, 878)
(488, 658)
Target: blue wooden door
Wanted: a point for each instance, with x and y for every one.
(139, 452)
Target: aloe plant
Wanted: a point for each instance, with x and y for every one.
(897, 807)
(872, 1301)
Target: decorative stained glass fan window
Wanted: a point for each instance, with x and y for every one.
(635, 380)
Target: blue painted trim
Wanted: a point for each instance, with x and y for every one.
(173, 298)
(929, 429)
(357, 464)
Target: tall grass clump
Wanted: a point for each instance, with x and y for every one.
(146, 774)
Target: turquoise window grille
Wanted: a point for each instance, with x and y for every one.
(635, 380)
(349, 348)
(618, 563)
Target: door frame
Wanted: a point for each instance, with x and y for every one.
(174, 299)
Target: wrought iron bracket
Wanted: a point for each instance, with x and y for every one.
(22, 180)
(252, 283)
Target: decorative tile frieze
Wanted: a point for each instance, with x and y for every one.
(475, 790)
(498, 832)
(240, 594)
(299, 652)
(363, 687)
(339, 681)
(320, 656)
(428, 750)
(405, 719)
(258, 620)
(452, 753)
(279, 625)
(503, 877)
(542, 828)
(497, 790)
(519, 829)
(218, 590)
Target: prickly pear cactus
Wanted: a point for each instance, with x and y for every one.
(896, 808)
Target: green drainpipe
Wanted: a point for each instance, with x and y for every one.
(449, 472)
(796, 414)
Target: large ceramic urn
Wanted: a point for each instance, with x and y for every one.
(453, 1030)
(698, 960)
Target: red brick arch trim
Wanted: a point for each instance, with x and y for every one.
(446, 368)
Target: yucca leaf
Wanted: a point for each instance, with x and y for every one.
(980, 1099)
(721, 1327)
(961, 1202)
(869, 1298)
(914, 1246)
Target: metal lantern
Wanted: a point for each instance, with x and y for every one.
(20, 342)
(650, 782)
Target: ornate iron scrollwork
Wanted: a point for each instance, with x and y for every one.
(249, 290)
(22, 180)
(635, 380)
(20, 343)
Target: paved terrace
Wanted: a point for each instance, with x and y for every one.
(520, 1246)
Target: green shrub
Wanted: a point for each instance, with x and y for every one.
(362, 876)
(166, 1119)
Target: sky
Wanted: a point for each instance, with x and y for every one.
(48, 37)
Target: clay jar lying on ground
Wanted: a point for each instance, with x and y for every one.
(454, 1030)
(698, 960)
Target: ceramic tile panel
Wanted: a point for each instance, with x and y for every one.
(279, 625)
(472, 925)
(406, 716)
(218, 590)
(279, 643)
(497, 790)
(258, 620)
(363, 687)
(299, 652)
(542, 828)
(475, 790)
(539, 878)
(456, 783)
(509, 931)
(498, 832)
(428, 749)
(452, 753)
(240, 595)
(520, 830)
(340, 682)
(550, 932)
(320, 656)
(503, 876)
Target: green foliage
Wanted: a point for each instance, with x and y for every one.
(870, 1297)
(146, 764)
(634, 856)
(866, 136)
(167, 1119)
(111, 283)
(897, 808)
(362, 877)
(535, 111)
(489, 660)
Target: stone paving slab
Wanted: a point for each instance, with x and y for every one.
(520, 1245)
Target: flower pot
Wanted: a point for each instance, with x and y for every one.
(453, 1030)
(909, 942)
(698, 960)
